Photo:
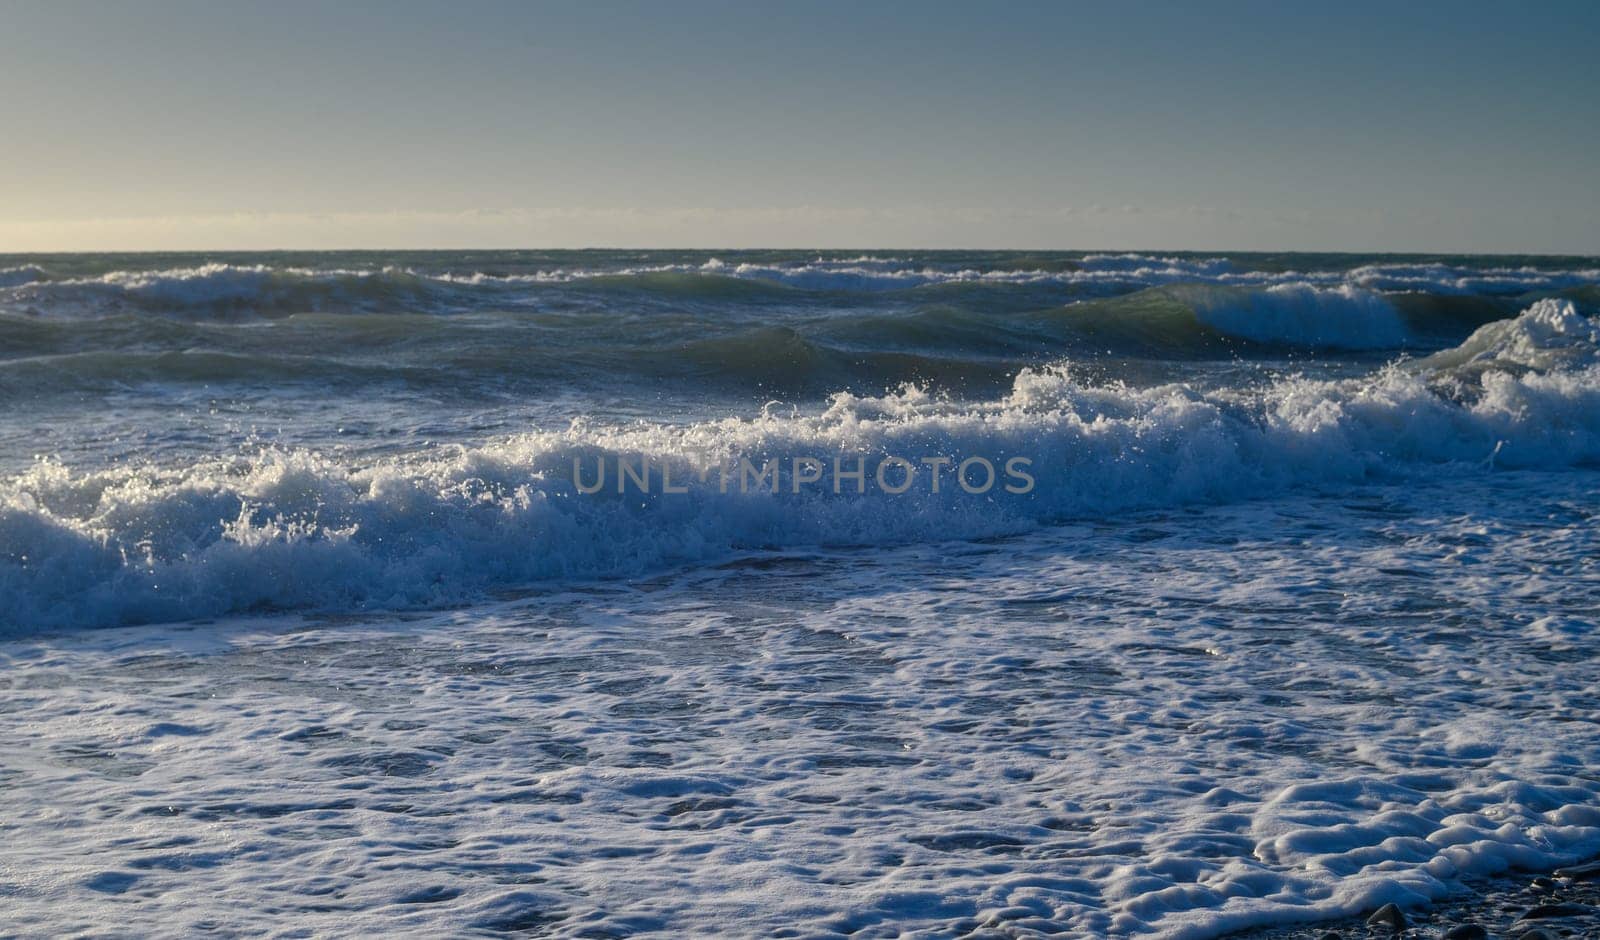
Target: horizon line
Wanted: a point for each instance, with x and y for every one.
(804, 248)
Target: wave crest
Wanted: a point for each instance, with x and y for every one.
(1342, 317)
(262, 288)
(297, 530)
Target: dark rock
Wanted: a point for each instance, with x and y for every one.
(1388, 916)
(1564, 909)
(1544, 885)
(1466, 932)
(1537, 933)
(1586, 872)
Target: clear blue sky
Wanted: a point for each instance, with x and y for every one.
(1453, 126)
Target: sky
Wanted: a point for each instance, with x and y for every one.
(1357, 126)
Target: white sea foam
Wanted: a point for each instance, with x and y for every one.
(1548, 336)
(1194, 722)
(297, 529)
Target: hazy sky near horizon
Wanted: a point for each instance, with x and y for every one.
(1360, 126)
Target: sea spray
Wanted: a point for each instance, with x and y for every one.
(297, 529)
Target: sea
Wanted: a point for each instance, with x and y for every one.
(790, 593)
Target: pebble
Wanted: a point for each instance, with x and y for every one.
(1388, 916)
(1564, 909)
(1466, 932)
(1586, 872)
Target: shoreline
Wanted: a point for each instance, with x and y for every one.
(1563, 903)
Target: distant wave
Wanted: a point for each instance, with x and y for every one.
(288, 530)
(1432, 277)
(1134, 271)
(938, 344)
(20, 274)
(221, 289)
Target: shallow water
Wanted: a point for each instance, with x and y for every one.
(1183, 722)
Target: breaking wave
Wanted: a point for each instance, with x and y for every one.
(287, 530)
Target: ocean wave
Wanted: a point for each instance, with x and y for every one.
(748, 344)
(20, 274)
(1342, 317)
(1551, 335)
(944, 346)
(1188, 320)
(1437, 277)
(1133, 272)
(784, 360)
(222, 288)
(1448, 279)
(856, 276)
(278, 530)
